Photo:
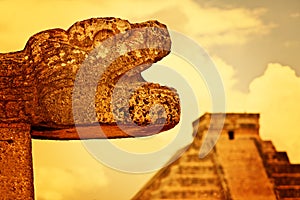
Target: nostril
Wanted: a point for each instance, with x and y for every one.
(9, 141)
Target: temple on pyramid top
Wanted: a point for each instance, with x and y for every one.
(240, 166)
(235, 123)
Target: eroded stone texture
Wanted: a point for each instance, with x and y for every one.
(36, 88)
(37, 83)
(233, 170)
(16, 176)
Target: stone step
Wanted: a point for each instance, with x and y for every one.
(267, 146)
(288, 191)
(275, 175)
(188, 198)
(197, 164)
(287, 187)
(285, 168)
(276, 162)
(192, 194)
(202, 198)
(191, 189)
(194, 181)
(286, 180)
(277, 157)
(196, 170)
(195, 158)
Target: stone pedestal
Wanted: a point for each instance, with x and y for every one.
(16, 174)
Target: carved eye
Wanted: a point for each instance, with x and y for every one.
(102, 35)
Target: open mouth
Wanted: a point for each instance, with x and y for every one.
(91, 75)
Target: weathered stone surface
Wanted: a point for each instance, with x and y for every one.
(36, 88)
(37, 83)
(16, 175)
(284, 175)
(239, 167)
(233, 170)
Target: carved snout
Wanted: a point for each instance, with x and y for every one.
(94, 55)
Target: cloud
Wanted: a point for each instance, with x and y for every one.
(64, 170)
(74, 183)
(291, 43)
(276, 95)
(235, 99)
(210, 25)
(214, 26)
(295, 15)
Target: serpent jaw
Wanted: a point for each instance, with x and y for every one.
(42, 76)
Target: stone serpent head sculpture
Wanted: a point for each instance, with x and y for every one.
(37, 83)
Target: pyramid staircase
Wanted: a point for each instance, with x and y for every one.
(241, 166)
(284, 175)
(188, 178)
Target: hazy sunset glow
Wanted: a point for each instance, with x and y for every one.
(255, 48)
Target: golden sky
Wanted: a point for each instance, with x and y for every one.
(254, 46)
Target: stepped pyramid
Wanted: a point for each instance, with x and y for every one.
(240, 166)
